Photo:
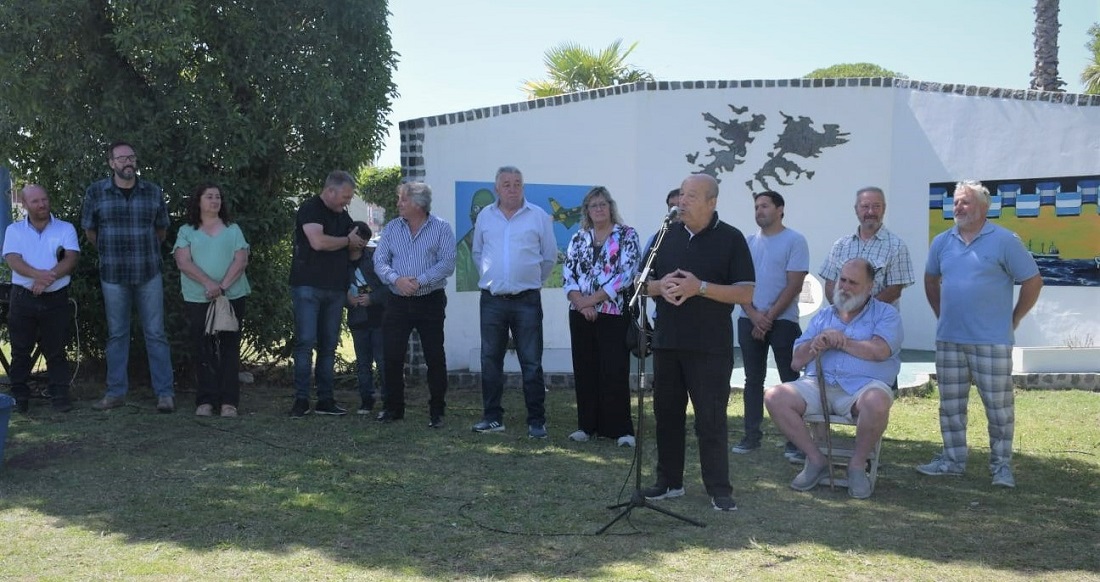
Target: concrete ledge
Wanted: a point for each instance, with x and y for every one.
(1057, 381)
(921, 385)
(470, 380)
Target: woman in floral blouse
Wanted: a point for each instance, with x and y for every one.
(599, 268)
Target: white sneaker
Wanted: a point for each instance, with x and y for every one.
(579, 436)
(1002, 476)
(627, 440)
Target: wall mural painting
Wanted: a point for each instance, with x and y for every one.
(561, 201)
(798, 137)
(1058, 219)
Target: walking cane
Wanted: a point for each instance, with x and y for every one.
(825, 415)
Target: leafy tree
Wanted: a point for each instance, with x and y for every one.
(378, 186)
(571, 67)
(1091, 75)
(264, 97)
(1045, 75)
(852, 71)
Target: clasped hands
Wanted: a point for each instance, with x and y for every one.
(761, 324)
(585, 305)
(357, 300)
(407, 286)
(43, 279)
(212, 289)
(678, 286)
(830, 339)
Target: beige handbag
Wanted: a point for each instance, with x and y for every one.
(220, 316)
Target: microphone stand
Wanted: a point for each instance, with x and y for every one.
(639, 299)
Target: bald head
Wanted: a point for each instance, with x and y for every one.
(36, 202)
(704, 183)
(698, 199)
(32, 189)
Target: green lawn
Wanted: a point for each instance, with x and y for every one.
(133, 494)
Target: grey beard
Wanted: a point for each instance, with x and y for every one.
(848, 303)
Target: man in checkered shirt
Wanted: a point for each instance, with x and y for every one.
(874, 242)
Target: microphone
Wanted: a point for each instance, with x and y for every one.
(672, 213)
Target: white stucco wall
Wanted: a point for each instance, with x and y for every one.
(900, 139)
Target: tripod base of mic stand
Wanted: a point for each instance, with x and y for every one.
(639, 500)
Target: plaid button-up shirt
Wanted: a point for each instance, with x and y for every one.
(126, 229)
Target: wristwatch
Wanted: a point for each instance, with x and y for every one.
(703, 289)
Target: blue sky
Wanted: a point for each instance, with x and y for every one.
(458, 55)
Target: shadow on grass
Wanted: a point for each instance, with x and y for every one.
(444, 503)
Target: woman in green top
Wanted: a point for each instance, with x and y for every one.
(211, 254)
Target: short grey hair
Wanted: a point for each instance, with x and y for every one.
(340, 178)
(975, 187)
(875, 189)
(419, 193)
(509, 170)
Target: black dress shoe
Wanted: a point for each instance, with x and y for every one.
(436, 421)
(62, 405)
(22, 405)
(387, 416)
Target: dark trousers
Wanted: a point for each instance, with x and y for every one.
(425, 314)
(216, 358)
(368, 342)
(754, 353)
(520, 314)
(705, 378)
(601, 374)
(43, 320)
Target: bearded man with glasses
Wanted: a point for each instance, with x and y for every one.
(126, 219)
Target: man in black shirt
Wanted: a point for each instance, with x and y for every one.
(325, 242)
(702, 269)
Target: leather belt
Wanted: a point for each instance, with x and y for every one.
(509, 296)
(21, 290)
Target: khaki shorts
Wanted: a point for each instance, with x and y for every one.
(840, 402)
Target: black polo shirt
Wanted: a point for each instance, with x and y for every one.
(719, 255)
(321, 269)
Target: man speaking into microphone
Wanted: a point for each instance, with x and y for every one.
(702, 269)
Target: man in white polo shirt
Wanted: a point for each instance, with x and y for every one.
(42, 251)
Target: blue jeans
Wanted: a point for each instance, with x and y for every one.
(118, 302)
(317, 315)
(754, 354)
(368, 352)
(523, 316)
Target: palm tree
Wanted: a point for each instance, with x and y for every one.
(1045, 75)
(1091, 75)
(571, 67)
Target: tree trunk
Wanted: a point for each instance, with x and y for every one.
(1045, 75)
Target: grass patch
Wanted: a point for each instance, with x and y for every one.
(130, 493)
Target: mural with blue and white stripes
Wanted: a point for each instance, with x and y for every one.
(1057, 218)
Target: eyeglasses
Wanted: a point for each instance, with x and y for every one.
(130, 158)
(598, 206)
